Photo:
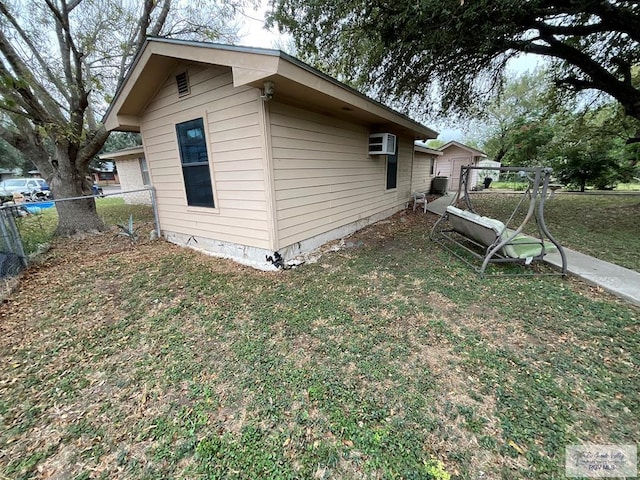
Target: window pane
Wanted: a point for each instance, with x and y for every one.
(195, 163)
(144, 171)
(197, 181)
(193, 146)
(392, 168)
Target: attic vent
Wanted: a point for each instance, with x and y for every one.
(182, 81)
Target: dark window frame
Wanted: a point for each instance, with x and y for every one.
(392, 169)
(194, 160)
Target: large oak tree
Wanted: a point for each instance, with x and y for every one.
(456, 50)
(60, 63)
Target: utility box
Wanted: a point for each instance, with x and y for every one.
(439, 185)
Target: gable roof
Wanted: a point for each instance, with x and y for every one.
(129, 153)
(424, 149)
(473, 151)
(294, 80)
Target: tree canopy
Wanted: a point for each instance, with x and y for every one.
(531, 123)
(456, 50)
(60, 63)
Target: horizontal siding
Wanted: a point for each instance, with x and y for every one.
(421, 174)
(236, 158)
(323, 176)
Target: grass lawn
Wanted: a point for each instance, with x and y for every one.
(603, 226)
(386, 359)
(37, 230)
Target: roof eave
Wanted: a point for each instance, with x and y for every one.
(246, 72)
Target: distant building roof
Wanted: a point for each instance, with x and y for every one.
(424, 149)
(129, 153)
(474, 151)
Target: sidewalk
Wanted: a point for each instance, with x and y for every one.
(619, 281)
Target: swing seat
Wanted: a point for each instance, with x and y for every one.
(490, 232)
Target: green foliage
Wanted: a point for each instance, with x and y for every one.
(65, 61)
(128, 230)
(36, 231)
(590, 149)
(436, 471)
(9, 156)
(118, 141)
(456, 51)
(528, 125)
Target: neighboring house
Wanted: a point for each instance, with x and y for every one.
(6, 173)
(493, 174)
(252, 152)
(133, 172)
(424, 168)
(455, 155)
(105, 174)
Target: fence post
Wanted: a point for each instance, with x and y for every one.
(156, 218)
(18, 240)
(11, 234)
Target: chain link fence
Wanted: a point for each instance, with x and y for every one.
(27, 229)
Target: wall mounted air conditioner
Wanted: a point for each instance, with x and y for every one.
(382, 144)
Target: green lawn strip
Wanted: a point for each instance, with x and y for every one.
(37, 230)
(603, 226)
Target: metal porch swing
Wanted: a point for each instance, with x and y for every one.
(490, 241)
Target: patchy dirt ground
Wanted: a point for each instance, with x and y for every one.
(154, 361)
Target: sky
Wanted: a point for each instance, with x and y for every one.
(254, 34)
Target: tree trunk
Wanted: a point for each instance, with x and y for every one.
(73, 215)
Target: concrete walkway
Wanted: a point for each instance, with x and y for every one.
(619, 281)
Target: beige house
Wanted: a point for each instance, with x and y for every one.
(424, 168)
(455, 155)
(132, 171)
(253, 152)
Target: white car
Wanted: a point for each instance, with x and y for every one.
(29, 187)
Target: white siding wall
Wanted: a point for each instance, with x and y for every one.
(232, 121)
(324, 179)
(130, 174)
(421, 176)
(131, 179)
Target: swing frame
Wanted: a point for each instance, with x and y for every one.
(452, 232)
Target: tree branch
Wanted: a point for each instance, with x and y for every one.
(162, 18)
(572, 30)
(91, 147)
(52, 77)
(576, 83)
(65, 53)
(144, 22)
(31, 103)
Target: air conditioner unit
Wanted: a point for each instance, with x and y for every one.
(382, 144)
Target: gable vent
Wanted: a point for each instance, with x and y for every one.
(182, 81)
